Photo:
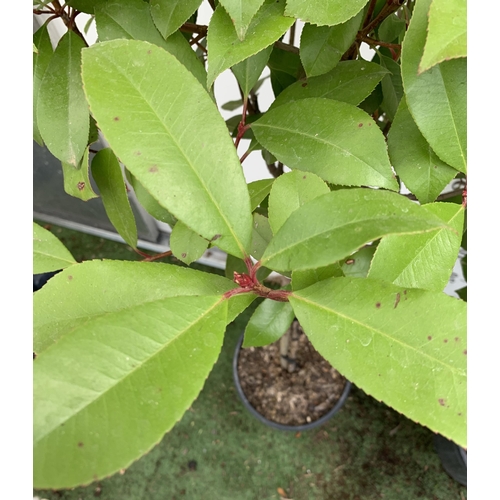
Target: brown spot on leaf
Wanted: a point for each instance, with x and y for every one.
(460, 414)
(377, 305)
(80, 186)
(304, 177)
(149, 51)
(116, 119)
(404, 292)
(457, 339)
(70, 277)
(304, 84)
(153, 169)
(465, 352)
(137, 153)
(80, 444)
(184, 255)
(429, 337)
(441, 401)
(216, 237)
(350, 261)
(360, 125)
(396, 302)
(445, 341)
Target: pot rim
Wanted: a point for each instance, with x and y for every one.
(303, 427)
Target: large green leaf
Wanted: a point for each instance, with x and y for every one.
(320, 12)
(108, 176)
(247, 72)
(348, 150)
(336, 224)
(41, 60)
(286, 68)
(49, 254)
(358, 264)
(270, 320)
(77, 180)
(447, 32)
(131, 19)
(85, 291)
(258, 190)
(241, 13)
(184, 164)
(225, 49)
(186, 245)
(289, 192)
(321, 47)
(307, 277)
(422, 260)
(107, 393)
(423, 173)
(170, 15)
(62, 110)
(405, 347)
(437, 98)
(349, 81)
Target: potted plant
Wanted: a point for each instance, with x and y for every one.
(370, 143)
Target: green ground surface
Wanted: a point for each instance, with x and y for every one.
(218, 451)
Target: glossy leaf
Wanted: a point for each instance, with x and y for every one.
(87, 6)
(186, 245)
(270, 320)
(261, 236)
(324, 13)
(405, 347)
(181, 165)
(108, 176)
(248, 72)
(62, 110)
(391, 29)
(422, 260)
(349, 150)
(41, 60)
(333, 226)
(321, 47)
(131, 20)
(225, 49)
(437, 98)
(92, 289)
(170, 15)
(258, 190)
(447, 36)
(392, 86)
(49, 254)
(285, 67)
(131, 373)
(77, 180)
(289, 192)
(349, 81)
(241, 13)
(358, 264)
(421, 170)
(307, 277)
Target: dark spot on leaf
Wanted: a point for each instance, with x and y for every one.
(153, 169)
(160, 389)
(460, 414)
(70, 277)
(304, 85)
(137, 153)
(80, 186)
(350, 261)
(377, 305)
(34, 355)
(149, 51)
(184, 255)
(445, 341)
(396, 302)
(304, 177)
(360, 125)
(457, 339)
(441, 401)
(216, 237)
(369, 124)
(192, 465)
(80, 444)
(465, 352)
(429, 337)
(404, 291)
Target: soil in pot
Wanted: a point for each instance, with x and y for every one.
(293, 398)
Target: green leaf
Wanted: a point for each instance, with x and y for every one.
(131, 373)
(423, 173)
(186, 245)
(391, 28)
(358, 264)
(321, 47)
(148, 132)
(258, 190)
(437, 99)
(248, 72)
(285, 68)
(62, 110)
(320, 12)
(225, 49)
(170, 15)
(404, 347)
(336, 224)
(77, 180)
(270, 320)
(261, 236)
(108, 176)
(41, 60)
(422, 260)
(86, 291)
(350, 150)
(241, 13)
(447, 33)
(349, 81)
(290, 191)
(49, 254)
(392, 86)
(84, 5)
(304, 278)
(151, 206)
(131, 20)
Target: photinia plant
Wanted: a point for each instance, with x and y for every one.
(357, 213)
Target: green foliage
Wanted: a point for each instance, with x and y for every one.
(123, 348)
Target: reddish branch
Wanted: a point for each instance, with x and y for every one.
(150, 258)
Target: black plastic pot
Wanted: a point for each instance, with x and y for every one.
(276, 425)
(453, 458)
